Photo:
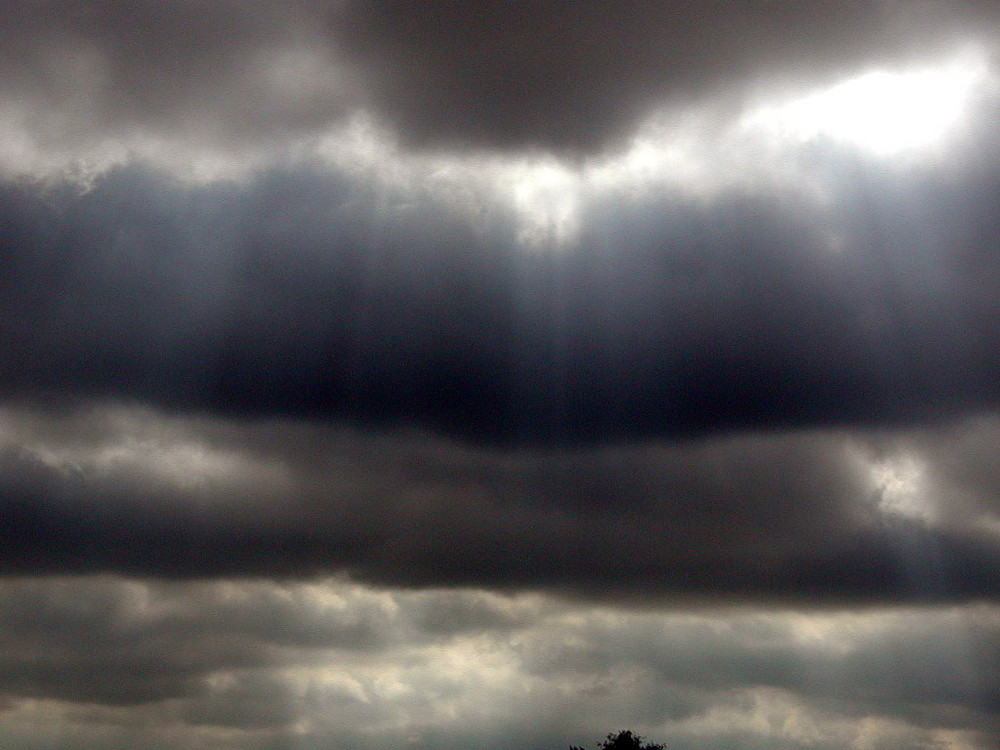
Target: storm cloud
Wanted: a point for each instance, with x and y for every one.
(235, 80)
(575, 76)
(821, 517)
(246, 662)
(379, 374)
(668, 315)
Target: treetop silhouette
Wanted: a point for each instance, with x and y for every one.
(624, 740)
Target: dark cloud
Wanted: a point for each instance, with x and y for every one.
(575, 76)
(450, 425)
(221, 654)
(793, 517)
(907, 673)
(940, 671)
(231, 74)
(94, 644)
(567, 76)
(313, 294)
(152, 642)
(551, 379)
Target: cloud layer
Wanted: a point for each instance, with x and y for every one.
(323, 294)
(379, 374)
(256, 663)
(234, 80)
(812, 518)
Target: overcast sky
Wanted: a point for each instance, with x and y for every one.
(499, 375)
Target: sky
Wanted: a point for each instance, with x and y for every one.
(453, 375)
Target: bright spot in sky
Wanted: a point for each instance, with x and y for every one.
(697, 151)
(545, 197)
(900, 480)
(883, 112)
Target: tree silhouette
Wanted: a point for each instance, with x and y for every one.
(624, 740)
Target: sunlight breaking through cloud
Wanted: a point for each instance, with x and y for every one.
(885, 112)
(380, 374)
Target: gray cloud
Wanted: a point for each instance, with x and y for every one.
(61, 636)
(576, 76)
(821, 516)
(231, 74)
(234, 78)
(272, 448)
(904, 674)
(939, 671)
(153, 642)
